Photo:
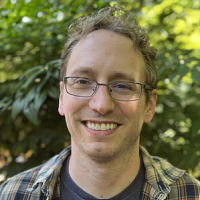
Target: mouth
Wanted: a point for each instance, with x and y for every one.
(101, 126)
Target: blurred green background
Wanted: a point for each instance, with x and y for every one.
(32, 36)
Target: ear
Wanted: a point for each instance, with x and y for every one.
(151, 107)
(61, 106)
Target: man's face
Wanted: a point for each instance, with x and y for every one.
(105, 56)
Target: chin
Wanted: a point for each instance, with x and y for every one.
(102, 152)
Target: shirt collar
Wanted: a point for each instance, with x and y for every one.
(160, 174)
(49, 173)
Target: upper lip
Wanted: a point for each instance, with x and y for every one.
(101, 122)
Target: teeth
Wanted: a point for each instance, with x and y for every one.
(101, 127)
(111, 126)
(107, 126)
(97, 127)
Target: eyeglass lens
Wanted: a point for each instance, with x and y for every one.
(119, 90)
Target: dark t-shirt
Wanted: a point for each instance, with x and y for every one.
(70, 191)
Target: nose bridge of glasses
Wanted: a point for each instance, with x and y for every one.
(107, 85)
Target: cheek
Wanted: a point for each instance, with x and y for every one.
(73, 106)
(70, 103)
(133, 111)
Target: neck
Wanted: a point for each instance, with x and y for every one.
(104, 179)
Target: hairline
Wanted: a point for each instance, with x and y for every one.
(144, 65)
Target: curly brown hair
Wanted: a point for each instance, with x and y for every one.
(119, 20)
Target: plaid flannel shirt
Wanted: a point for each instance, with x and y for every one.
(162, 181)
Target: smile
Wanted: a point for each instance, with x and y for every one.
(101, 126)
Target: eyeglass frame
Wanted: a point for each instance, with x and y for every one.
(143, 86)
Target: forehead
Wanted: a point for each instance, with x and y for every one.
(106, 53)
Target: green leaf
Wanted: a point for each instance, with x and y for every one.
(30, 79)
(53, 92)
(172, 76)
(39, 99)
(196, 75)
(19, 94)
(32, 69)
(43, 82)
(55, 62)
(195, 128)
(31, 94)
(17, 107)
(183, 70)
(4, 104)
(162, 69)
(30, 112)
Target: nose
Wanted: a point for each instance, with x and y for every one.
(101, 101)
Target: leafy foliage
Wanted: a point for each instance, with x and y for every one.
(32, 35)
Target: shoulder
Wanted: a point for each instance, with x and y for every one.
(18, 184)
(169, 180)
(186, 187)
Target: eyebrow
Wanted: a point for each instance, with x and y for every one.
(122, 75)
(115, 74)
(84, 70)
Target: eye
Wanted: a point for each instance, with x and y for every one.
(81, 83)
(124, 87)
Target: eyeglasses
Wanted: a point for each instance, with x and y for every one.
(119, 90)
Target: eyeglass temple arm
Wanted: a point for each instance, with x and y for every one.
(147, 87)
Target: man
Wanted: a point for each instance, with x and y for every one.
(107, 92)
